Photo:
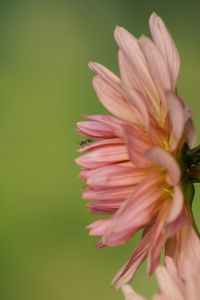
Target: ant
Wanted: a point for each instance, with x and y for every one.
(85, 142)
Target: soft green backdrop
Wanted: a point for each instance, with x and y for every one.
(45, 86)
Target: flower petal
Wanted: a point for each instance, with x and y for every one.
(138, 102)
(165, 43)
(165, 159)
(115, 176)
(158, 238)
(136, 144)
(176, 115)
(156, 63)
(95, 129)
(127, 74)
(191, 133)
(135, 58)
(101, 143)
(104, 207)
(135, 213)
(158, 70)
(128, 270)
(101, 157)
(117, 193)
(106, 75)
(130, 294)
(170, 229)
(167, 286)
(155, 253)
(114, 101)
(99, 227)
(110, 121)
(177, 204)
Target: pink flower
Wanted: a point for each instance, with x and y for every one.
(173, 284)
(133, 167)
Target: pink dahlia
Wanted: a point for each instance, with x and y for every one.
(135, 166)
(173, 285)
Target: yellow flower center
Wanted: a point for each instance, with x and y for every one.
(167, 144)
(169, 191)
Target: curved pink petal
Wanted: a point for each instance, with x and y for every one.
(95, 129)
(104, 207)
(171, 267)
(157, 65)
(110, 121)
(154, 255)
(176, 115)
(130, 78)
(170, 229)
(134, 56)
(158, 239)
(167, 285)
(127, 74)
(189, 249)
(160, 297)
(117, 193)
(135, 213)
(165, 43)
(130, 294)
(191, 133)
(137, 100)
(166, 160)
(115, 176)
(102, 143)
(106, 75)
(101, 157)
(127, 271)
(177, 204)
(99, 227)
(114, 101)
(86, 173)
(192, 280)
(136, 145)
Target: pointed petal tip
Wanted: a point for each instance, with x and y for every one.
(154, 17)
(78, 161)
(91, 65)
(78, 124)
(117, 28)
(118, 32)
(163, 40)
(142, 38)
(94, 66)
(115, 283)
(88, 227)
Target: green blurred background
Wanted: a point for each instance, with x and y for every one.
(45, 86)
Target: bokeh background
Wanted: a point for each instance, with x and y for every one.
(45, 86)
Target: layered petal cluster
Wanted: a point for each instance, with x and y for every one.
(173, 284)
(132, 167)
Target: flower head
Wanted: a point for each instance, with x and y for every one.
(133, 168)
